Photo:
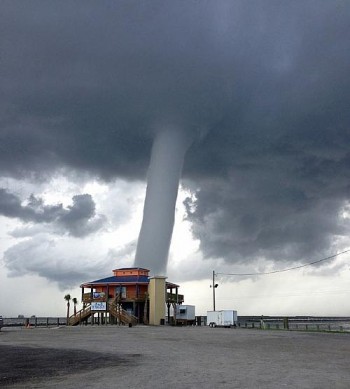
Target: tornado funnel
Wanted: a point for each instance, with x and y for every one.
(168, 152)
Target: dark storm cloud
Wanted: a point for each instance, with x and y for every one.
(78, 220)
(265, 86)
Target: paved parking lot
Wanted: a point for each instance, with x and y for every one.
(172, 357)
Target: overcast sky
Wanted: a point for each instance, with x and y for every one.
(263, 88)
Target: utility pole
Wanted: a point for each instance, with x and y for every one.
(214, 286)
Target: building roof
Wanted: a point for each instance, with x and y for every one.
(117, 280)
(171, 285)
(120, 280)
(132, 268)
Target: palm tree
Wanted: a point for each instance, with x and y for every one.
(67, 298)
(75, 302)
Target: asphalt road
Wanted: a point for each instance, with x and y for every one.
(172, 357)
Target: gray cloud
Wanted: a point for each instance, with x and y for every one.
(79, 219)
(264, 85)
(243, 219)
(58, 261)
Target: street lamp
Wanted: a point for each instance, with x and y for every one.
(214, 286)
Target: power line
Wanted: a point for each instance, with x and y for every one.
(284, 270)
(287, 294)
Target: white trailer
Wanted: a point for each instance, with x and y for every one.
(224, 318)
(185, 314)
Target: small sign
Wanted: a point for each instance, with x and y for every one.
(99, 295)
(98, 306)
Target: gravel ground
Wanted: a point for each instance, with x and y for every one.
(172, 357)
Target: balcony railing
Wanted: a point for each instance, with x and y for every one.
(88, 298)
(95, 296)
(172, 298)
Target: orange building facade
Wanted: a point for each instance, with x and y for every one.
(127, 289)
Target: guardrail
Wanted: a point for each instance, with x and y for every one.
(294, 324)
(34, 321)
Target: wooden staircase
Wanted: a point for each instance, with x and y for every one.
(122, 316)
(80, 316)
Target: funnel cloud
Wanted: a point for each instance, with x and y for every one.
(168, 152)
